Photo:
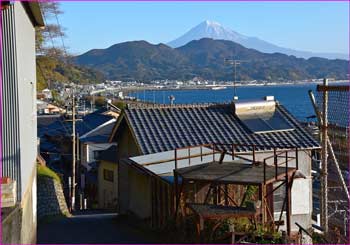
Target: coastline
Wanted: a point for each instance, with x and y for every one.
(209, 87)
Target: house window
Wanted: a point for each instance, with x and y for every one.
(108, 175)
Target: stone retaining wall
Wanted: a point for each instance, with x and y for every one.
(51, 200)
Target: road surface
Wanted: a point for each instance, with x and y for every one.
(92, 227)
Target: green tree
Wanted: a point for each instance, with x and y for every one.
(53, 58)
(46, 38)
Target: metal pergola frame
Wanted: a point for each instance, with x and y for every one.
(266, 214)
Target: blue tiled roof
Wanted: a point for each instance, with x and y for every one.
(166, 128)
(60, 127)
(91, 121)
(100, 135)
(44, 120)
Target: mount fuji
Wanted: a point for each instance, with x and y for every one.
(214, 30)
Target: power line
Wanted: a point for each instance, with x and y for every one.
(48, 30)
(60, 32)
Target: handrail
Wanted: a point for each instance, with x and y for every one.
(317, 227)
(192, 146)
(275, 156)
(277, 152)
(303, 229)
(307, 233)
(256, 145)
(178, 158)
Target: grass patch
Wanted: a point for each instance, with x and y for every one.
(43, 171)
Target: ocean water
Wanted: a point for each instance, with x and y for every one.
(294, 97)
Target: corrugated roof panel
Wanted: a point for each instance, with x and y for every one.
(163, 162)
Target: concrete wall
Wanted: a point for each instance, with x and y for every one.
(107, 190)
(11, 225)
(19, 227)
(29, 210)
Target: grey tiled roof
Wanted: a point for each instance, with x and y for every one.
(166, 128)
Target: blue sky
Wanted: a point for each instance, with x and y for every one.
(308, 26)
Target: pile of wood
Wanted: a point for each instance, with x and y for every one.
(8, 192)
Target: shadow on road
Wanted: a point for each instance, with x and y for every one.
(91, 227)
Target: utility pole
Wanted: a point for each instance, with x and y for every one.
(79, 172)
(171, 98)
(235, 67)
(73, 153)
(324, 170)
(234, 63)
(92, 103)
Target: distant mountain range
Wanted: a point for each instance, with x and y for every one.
(214, 30)
(204, 58)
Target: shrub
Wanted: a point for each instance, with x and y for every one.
(47, 172)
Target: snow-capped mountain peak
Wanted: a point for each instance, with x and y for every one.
(212, 23)
(214, 30)
(207, 29)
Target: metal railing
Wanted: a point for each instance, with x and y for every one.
(235, 150)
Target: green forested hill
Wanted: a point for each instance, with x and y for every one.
(50, 69)
(140, 60)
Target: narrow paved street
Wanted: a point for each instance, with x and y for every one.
(92, 227)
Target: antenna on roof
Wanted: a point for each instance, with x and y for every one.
(234, 63)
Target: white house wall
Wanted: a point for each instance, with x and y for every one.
(26, 65)
(87, 151)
